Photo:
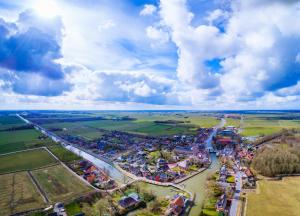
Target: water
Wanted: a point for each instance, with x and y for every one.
(197, 183)
(112, 171)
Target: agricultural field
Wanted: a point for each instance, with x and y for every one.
(59, 184)
(146, 127)
(26, 160)
(135, 122)
(275, 198)
(63, 154)
(18, 194)
(22, 139)
(8, 121)
(257, 125)
(233, 122)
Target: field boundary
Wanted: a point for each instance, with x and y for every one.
(26, 170)
(38, 187)
(13, 152)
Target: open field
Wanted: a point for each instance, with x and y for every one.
(141, 123)
(275, 198)
(233, 122)
(63, 154)
(26, 160)
(18, 194)
(59, 184)
(145, 127)
(256, 125)
(21, 139)
(10, 121)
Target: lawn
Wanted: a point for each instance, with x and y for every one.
(21, 139)
(59, 184)
(275, 198)
(63, 154)
(18, 194)
(26, 160)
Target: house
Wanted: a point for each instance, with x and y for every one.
(176, 206)
(221, 203)
(224, 141)
(91, 178)
(129, 201)
(59, 209)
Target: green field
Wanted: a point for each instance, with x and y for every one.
(261, 125)
(59, 184)
(10, 121)
(18, 194)
(140, 127)
(26, 160)
(20, 140)
(88, 133)
(233, 122)
(275, 198)
(63, 154)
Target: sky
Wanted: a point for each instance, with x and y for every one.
(150, 54)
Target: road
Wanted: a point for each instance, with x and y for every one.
(236, 196)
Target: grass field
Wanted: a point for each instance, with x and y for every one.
(143, 124)
(63, 154)
(88, 133)
(275, 198)
(233, 122)
(26, 160)
(261, 125)
(59, 184)
(20, 140)
(18, 194)
(141, 127)
(10, 121)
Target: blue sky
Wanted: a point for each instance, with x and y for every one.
(149, 54)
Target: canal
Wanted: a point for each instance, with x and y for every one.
(196, 185)
(112, 171)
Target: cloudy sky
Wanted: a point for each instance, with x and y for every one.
(150, 54)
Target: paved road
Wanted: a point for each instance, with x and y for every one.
(236, 196)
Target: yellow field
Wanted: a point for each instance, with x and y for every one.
(275, 198)
(17, 194)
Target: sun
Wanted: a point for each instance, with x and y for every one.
(46, 8)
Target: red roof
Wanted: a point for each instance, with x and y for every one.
(179, 201)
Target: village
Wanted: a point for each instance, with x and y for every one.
(167, 161)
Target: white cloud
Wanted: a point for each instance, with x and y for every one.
(157, 34)
(148, 9)
(106, 25)
(257, 55)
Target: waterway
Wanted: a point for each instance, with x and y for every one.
(112, 171)
(197, 183)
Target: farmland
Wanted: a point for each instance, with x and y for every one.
(59, 184)
(63, 154)
(257, 125)
(26, 160)
(10, 121)
(18, 194)
(275, 197)
(20, 140)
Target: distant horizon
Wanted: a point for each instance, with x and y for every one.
(156, 110)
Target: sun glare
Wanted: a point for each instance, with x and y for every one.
(46, 8)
